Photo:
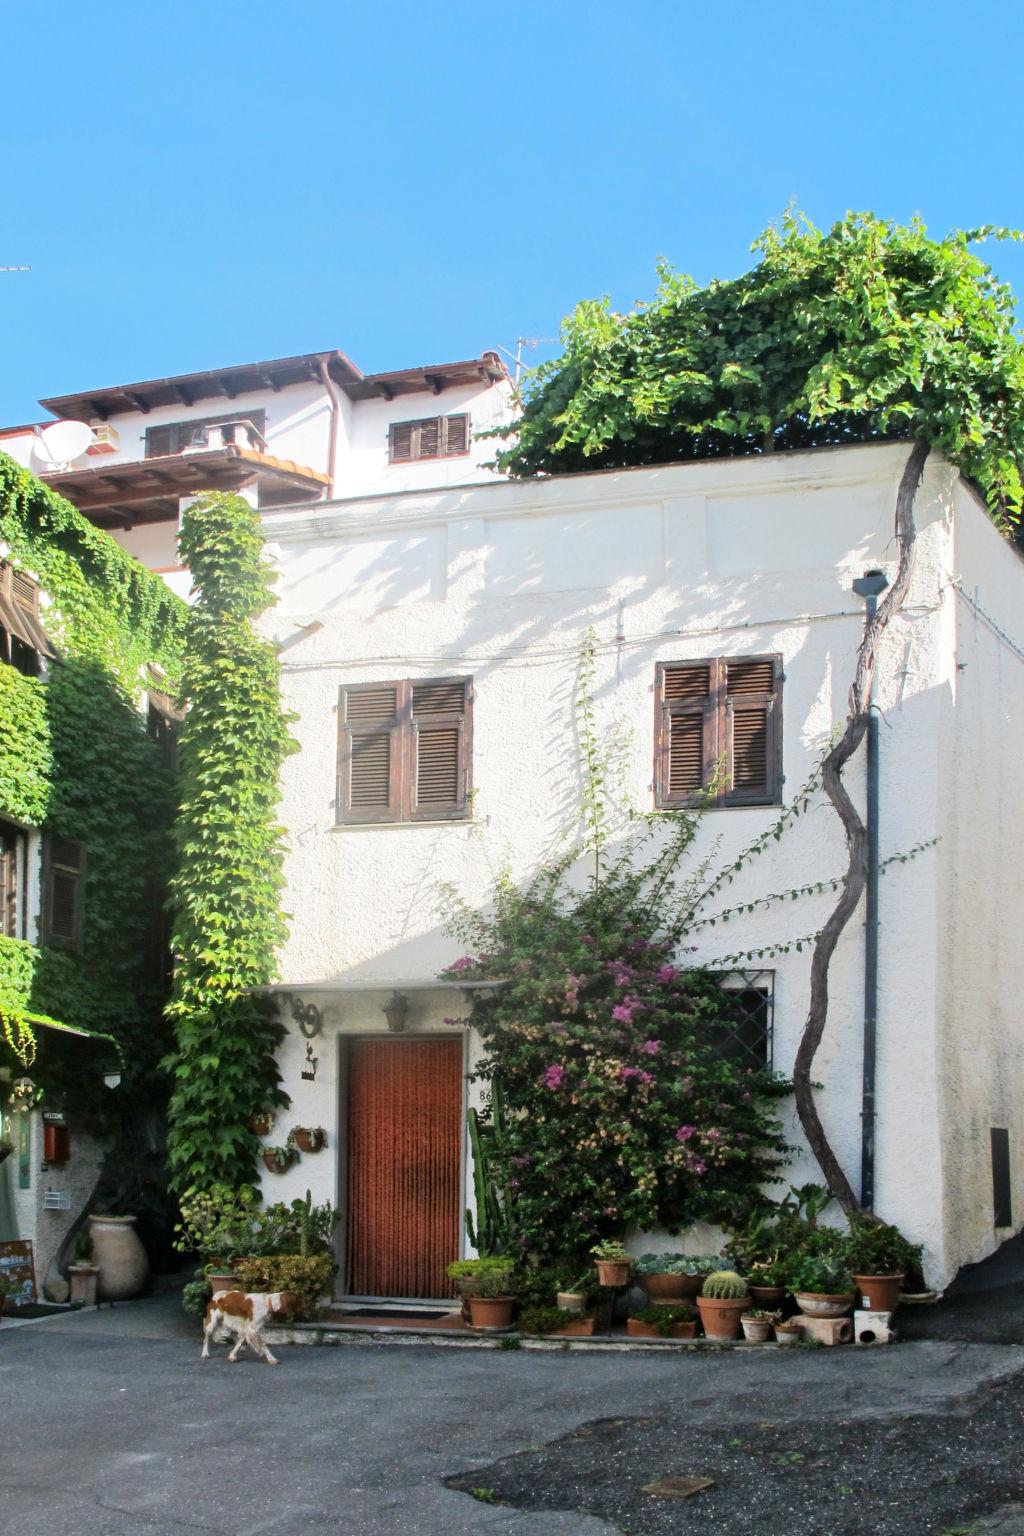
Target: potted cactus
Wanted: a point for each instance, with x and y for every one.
(722, 1301)
(612, 1263)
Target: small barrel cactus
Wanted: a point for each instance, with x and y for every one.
(724, 1285)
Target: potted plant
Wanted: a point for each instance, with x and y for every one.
(767, 1285)
(821, 1285)
(261, 1124)
(671, 1277)
(581, 1290)
(722, 1300)
(492, 1299)
(612, 1263)
(278, 1159)
(556, 1320)
(879, 1258)
(788, 1333)
(308, 1138)
(82, 1272)
(662, 1322)
(756, 1323)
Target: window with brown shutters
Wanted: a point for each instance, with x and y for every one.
(718, 731)
(23, 641)
(436, 437)
(63, 891)
(404, 751)
(176, 436)
(13, 845)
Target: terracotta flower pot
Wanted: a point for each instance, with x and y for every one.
(308, 1140)
(119, 1255)
(273, 1165)
(767, 1297)
(640, 1330)
(822, 1304)
(82, 1279)
(571, 1301)
(612, 1272)
(787, 1334)
(720, 1316)
(260, 1124)
(581, 1327)
(221, 1281)
(670, 1287)
(755, 1329)
(491, 1312)
(878, 1293)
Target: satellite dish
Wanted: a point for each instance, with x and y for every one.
(60, 444)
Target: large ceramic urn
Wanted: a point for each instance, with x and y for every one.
(119, 1256)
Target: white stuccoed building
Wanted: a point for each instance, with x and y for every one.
(430, 649)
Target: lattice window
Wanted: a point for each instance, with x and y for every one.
(748, 1039)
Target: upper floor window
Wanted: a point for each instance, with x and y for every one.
(436, 437)
(63, 891)
(13, 880)
(23, 642)
(718, 723)
(404, 750)
(179, 435)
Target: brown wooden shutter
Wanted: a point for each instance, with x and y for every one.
(12, 859)
(751, 687)
(370, 756)
(456, 434)
(439, 721)
(177, 435)
(686, 736)
(63, 891)
(401, 441)
(428, 444)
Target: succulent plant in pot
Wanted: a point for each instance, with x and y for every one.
(612, 1263)
(670, 1277)
(821, 1285)
(756, 1323)
(488, 1290)
(722, 1300)
(880, 1258)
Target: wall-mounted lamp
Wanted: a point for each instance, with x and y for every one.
(111, 1079)
(396, 1011)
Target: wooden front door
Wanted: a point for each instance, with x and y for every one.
(404, 1166)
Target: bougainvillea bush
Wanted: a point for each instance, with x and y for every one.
(621, 1108)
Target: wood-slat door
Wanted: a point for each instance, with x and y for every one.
(404, 1166)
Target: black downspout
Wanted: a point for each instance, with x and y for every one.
(869, 587)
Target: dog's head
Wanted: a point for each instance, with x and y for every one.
(289, 1304)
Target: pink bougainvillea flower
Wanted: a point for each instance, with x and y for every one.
(651, 1047)
(698, 1166)
(554, 1077)
(646, 1078)
(463, 963)
(558, 1029)
(713, 1135)
(685, 1132)
(666, 973)
(625, 1073)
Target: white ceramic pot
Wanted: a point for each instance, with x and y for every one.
(119, 1256)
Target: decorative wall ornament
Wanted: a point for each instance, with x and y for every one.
(309, 1070)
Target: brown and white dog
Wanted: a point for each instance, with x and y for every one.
(245, 1314)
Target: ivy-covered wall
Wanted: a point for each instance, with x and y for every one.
(76, 759)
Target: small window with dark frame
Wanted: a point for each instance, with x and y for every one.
(404, 751)
(63, 891)
(718, 731)
(13, 880)
(23, 641)
(435, 437)
(176, 436)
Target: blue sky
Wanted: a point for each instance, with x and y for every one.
(196, 185)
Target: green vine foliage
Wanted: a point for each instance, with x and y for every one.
(76, 759)
(226, 892)
(868, 331)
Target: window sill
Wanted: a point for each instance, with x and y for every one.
(405, 826)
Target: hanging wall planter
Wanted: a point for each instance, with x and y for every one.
(260, 1125)
(278, 1159)
(308, 1138)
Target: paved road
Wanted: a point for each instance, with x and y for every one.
(111, 1425)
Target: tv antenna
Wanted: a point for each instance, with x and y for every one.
(517, 355)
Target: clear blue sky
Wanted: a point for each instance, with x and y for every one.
(202, 184)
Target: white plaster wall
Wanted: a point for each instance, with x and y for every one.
(980, 859)
(363, 468)
(679, 562)
(47, 1230)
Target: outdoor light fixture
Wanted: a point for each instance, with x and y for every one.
(396, 1011)
(111, 1079)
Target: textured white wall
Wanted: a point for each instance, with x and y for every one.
(503, 582)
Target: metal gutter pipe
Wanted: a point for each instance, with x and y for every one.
(332, 446)
(870, 586)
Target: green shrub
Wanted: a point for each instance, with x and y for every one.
(823, 1273)
(664, 1319)
(196, 1295)
(309, 1277)
(546, 1319)
(874, 1248)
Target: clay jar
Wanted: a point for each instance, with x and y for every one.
(119, 1256)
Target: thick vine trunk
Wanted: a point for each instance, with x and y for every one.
(855, 878)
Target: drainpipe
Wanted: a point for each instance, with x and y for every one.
(870, 586)
(332, 442)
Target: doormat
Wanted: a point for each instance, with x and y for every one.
(406, 1315)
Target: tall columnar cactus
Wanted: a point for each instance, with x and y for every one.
(305, 1215)
(490, 1233)
(724, 1285)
